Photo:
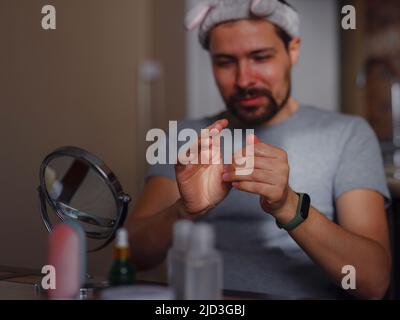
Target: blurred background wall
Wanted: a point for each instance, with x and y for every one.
(80, 85)
(371, 64)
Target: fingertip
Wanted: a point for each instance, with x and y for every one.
(222, 124)
(219, 125)
(251, 139)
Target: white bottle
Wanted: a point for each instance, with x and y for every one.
(177, 257)
(203, 280)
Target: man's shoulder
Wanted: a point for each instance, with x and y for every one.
(334, 120)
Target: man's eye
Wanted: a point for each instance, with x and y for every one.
(224, 63)
(262, 58)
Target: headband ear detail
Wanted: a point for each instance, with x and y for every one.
(262, 8)
(197, 15)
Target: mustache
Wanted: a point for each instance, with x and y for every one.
(250, 93)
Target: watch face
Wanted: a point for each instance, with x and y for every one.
(305, 205)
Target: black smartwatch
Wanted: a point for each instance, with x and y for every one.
(303, 209)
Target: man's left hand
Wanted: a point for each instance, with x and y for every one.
(270, 180)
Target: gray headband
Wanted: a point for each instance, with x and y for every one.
(209, 13)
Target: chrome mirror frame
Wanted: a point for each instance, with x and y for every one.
(122, 200)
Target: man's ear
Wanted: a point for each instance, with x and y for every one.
(294, 50)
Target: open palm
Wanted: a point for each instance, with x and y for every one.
(201, 185)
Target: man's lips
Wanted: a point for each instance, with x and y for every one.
(251, 102)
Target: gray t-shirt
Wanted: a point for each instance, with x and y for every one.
(329, 154)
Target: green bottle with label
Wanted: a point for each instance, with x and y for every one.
(122, 272)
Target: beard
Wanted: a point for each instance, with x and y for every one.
(256, 115)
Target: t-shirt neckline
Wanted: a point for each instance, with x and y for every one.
(284, 123)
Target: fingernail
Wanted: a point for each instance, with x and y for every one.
(225, 177)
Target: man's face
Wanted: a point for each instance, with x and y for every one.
(252, 69)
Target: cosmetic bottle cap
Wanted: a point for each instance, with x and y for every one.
(122, 238)
(182, 232)
(202, 238)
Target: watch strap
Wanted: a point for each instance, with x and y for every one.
(301, 213)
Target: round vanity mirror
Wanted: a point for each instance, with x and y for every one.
(77, 186)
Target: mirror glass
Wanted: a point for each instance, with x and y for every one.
(78, 186)
(79, 193)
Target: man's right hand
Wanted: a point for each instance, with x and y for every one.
(201, 185)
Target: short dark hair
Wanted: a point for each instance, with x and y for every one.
(288, 4)
(284, 36)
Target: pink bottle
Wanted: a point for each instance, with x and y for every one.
(67, 255)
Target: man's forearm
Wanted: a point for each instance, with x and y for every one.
(332, 247)
(150, 238)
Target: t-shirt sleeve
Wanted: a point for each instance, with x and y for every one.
(163, 166)
(161, 170)
(361, 164)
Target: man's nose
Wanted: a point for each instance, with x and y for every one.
(244, 77)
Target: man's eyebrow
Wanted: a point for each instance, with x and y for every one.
(264, 50)
(222, 56)
(251, 53)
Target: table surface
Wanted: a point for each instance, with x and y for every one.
(24, 284)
